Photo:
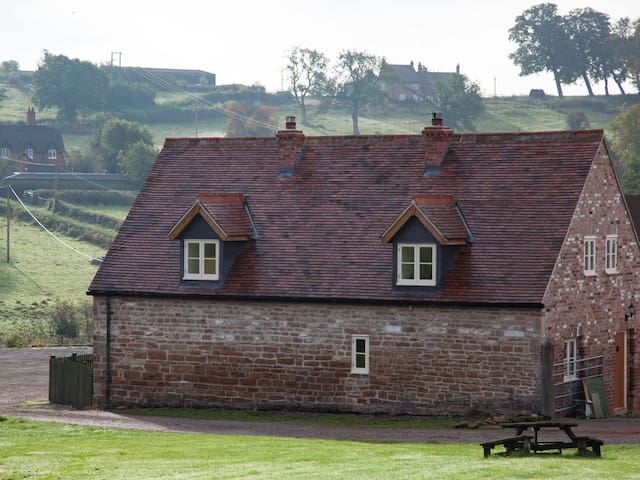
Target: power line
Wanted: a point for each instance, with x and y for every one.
(166, 85)
(59, 240)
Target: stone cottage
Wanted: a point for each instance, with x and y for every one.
(429, 273)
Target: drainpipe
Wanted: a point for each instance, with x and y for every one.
(108, 353)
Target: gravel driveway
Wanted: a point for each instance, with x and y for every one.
(24, 377)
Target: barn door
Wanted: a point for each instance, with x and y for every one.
(620, 391)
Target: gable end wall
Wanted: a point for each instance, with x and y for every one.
(595, 306)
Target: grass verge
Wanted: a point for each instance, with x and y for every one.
(42, 450)
(342, 420)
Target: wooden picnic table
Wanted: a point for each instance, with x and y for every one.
(527, 443)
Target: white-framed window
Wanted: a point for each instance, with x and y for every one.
(589, 255)
(4, 152)
(360, 354)
(201, 259)
(570, 359)
(29, 153)
(611, 254)
(416, 264)
(52, 154)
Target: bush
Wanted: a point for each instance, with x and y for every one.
(72, 321)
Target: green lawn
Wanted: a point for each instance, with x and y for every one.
(41, 450)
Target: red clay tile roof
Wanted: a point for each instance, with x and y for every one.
(321, 229)
(225, 214)
(439, 214)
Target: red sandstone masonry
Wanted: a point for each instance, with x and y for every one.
(597, 304)
(424, 360)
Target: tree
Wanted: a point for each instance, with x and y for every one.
(70, 85)
(588, 32)
(358, 82)
(626, 146)
(543, 44)
(633, 55)
(577, 121)
(459, 101)
(136, 161)
(618, 51)
(308, 76)
(9, 71)
(116, 137)
(249, 121)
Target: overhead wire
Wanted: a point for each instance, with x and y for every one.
(59, 240)
(166, 85)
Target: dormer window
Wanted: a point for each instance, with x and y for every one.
(4, 152)
(201, 259)
(425, 237)
(29, 153)
(52, 154)
(213, 232)
(416, 264)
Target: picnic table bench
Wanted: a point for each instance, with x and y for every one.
(525, 443)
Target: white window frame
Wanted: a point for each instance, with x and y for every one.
(29, 153)
(52, 154)
(360, 354)
(201, 275)
(416, 280)
(570, 359)
(4, 152)
(611, 254)
(589, 255)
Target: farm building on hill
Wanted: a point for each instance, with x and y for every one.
(431, 273)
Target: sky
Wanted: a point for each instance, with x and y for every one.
(247, 41)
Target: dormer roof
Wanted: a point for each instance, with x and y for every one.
(439, 214)
(227, 215)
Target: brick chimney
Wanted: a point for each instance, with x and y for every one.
(31, 116)
(436, 139)
(290, 143)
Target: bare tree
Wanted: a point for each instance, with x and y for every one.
(358, 82)
(308, 75)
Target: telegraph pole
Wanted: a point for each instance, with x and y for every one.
(6, 187)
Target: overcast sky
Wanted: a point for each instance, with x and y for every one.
(247, 41)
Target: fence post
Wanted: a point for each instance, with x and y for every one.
(546, 380)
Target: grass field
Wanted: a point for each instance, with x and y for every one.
(40, 273)
(41, 450)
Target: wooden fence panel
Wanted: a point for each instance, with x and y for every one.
(71, 380)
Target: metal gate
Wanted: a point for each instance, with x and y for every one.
(567, 381)
(71, 380)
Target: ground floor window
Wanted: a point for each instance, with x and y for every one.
(570, 359)
(360, 354)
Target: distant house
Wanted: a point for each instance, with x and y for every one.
(429, 273)
(31, 147)
(406, 84)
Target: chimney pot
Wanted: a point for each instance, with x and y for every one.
(290, 123)
(436, 119)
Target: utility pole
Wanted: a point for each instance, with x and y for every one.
(6, 187)
(113, 55)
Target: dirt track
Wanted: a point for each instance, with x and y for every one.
(24, 377)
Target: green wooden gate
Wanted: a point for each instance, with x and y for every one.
(71, 380)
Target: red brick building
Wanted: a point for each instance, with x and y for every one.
(437, 273)
(31, 147)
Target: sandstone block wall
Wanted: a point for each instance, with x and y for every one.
(423, 360)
